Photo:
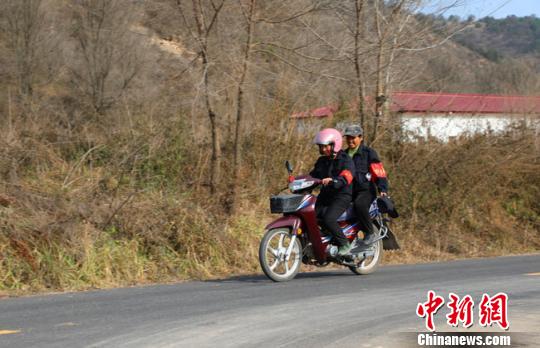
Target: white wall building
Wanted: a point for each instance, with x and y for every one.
(445, 115)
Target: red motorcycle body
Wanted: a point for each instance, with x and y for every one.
(303, 223)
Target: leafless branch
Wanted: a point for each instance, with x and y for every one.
(300, 68)
(296, 51)
(441, 42)
(288, 19)
(314, 32)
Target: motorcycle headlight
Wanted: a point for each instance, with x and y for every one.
(300, 184)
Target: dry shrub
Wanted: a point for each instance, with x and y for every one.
(120, 209)
(114, 203)
(474, 196)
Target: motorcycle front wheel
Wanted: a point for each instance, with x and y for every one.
(275, 262)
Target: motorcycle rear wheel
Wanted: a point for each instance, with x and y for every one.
(272, 255)
(371, 263)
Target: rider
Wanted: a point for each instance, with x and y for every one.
(335, 169)
(369, 170)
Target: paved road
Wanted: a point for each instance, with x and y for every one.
(314, 310)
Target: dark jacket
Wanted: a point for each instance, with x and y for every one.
(363, 159)
(340, 169)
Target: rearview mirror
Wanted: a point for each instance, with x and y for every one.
(288, 166)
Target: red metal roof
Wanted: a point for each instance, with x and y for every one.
(463, 103)
(425, 102)
(324, 111)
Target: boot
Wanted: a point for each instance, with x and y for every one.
(370, 237)
(344, 249)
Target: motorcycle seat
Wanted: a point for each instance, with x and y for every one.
(347, 215)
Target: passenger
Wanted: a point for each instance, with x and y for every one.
(369, 176)
(335, 168)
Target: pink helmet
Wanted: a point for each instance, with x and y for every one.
(329, 136)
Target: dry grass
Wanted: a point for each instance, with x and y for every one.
(473, 197)
(122, 196)
(114, 205)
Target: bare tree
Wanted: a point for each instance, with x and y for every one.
(204, 19)
(400, 35)
(390, 22)
(21, 23)
(249, 16)
(381, 35)
(294, 39)
(359, 33)
(108, 58)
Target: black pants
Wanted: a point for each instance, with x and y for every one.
(328, 210)
(362, 202)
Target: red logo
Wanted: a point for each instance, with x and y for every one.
(429, 308)
(460, 310)
(492, 310)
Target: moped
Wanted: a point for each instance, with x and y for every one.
(296, 237)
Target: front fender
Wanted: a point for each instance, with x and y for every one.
(290, 221)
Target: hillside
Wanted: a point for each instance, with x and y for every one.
(511, 37)
(140, 141)
(488, 55)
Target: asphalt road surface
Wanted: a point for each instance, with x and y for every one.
(329, 308)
